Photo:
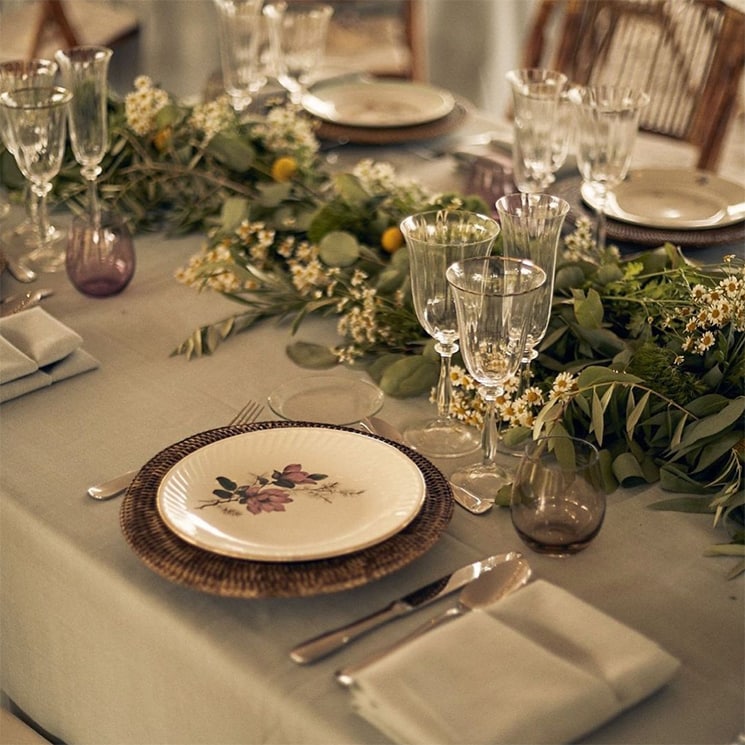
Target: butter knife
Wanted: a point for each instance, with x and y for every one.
(17, 303)
(332, 641)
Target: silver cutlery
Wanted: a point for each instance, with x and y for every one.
(118, 485)
(332, 641)
(490, 587)
(16, 303)
(19, 270)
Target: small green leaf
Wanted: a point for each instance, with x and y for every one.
(588, 309)
(410, 376)
(232, 152)
(339, 248)
(311, 356)
(636, 412)
(683, 504)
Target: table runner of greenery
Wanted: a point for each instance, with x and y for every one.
(645, 355)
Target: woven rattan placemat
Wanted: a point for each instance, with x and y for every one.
(180, 562)
(569, 189)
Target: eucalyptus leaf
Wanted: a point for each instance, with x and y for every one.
(715, 450)
(379, 365)
(234, 211)
(588, 309)
(339, 249)
(232, 151)
(698, 505)
(410, 376)
(712, 425)
(311, 356)
(628, 470)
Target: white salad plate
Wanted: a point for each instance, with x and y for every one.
(674, 198)
(378, 103)
(291, 494)
(331, 399)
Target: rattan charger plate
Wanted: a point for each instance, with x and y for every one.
(570, 189)
(180, 562)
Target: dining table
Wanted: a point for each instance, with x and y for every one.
(97, 647)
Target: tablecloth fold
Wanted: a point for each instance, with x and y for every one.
(538, 666)
(37, 350)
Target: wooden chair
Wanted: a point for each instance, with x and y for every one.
(687, 54)
(383, 37)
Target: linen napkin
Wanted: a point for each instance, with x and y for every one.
(538, 666)
(37, 350)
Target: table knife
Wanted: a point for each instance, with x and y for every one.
(17, 303)
(332, 641)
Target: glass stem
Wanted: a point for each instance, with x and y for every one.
(90, 173)
(42, 212)
(490, 432)
(444, 390)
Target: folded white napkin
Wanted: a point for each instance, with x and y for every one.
(539, 666)
(37, 350)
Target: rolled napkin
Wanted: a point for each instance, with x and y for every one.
(540, 666)
(37, 350)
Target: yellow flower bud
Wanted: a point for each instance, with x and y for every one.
(284, 168)
(392, 239)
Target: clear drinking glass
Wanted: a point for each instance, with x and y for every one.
(27, 74)
(607, 120)
(100, 256)
(531, 228)
(85, 73)
(297, 34)
(494, 299)
(34, 120)
(539, 126)
(242, 34)
(558, 503)
(435, 240)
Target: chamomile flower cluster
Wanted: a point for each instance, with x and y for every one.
(713, 309)
(580, 245)
(380, 179)
(212, 117)
(284, 130)
(141, 106)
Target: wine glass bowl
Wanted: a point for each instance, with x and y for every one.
(557, 503)
(607, 121)
(85, 73)
(297, 36)
(494, 297)
(539, 126)
(434, 241)
(34, 122)
(242, 34)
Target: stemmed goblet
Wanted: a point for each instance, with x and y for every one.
(540, 130)
(607, 119)
(494, 299)
(241, 28)
(531, 227)
(297, 35)
(435, 240)
(34, 122)
(85, 75)
(24, 74)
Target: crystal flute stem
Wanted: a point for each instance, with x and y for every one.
(490, 431)
(444, 391)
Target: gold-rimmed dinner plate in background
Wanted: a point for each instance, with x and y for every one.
(378, 103)
(673, 198)
(291, 494)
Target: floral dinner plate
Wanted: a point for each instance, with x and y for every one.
(674, 198)
(378, 103)
(291, 494)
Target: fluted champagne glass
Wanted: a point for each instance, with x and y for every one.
(26, 74)
(35, 122)
(297, 34)
(435, 240)
(494, 298)
(539, 126)
(241, 28)
(607, 120)
(85, 74)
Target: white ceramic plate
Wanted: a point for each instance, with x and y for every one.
(673, 198)
(372, 103)
(330, 399)
(291, 494)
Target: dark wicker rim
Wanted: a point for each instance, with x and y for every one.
(180, 562)
(569, 189)
(393, 135)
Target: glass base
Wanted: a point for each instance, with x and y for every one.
(483, 481)
(442, 438)
(48, 258)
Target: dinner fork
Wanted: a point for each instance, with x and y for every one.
(112, 488)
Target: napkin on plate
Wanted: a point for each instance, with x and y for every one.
(37, 350)
(538, 666)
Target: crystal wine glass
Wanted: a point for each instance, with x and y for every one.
(435, 240)
(34, 122)
(540, 129)
(607, 119)
(494, 299)
(242, 28)
(25, 74)
(531, 228)
(85, 73)
(297, 34)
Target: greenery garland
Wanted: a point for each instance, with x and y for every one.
(645, 356)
